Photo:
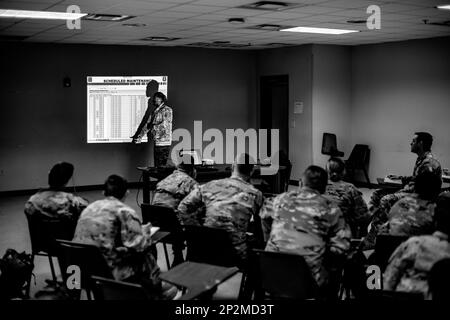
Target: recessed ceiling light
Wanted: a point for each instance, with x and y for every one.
(357, 21)
(160, 39)
(269, 27)
(319, 30)
(29, 14)
(444, 7)
(107, 17)
(236, 20)
(270, 5)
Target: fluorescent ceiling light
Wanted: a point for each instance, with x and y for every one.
(319, 30)
(28, 14)
(444, 7)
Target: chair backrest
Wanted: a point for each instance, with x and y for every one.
(44, 232)
(108, 289)
(87, 257)
(359, 156)
(385, 245)
(282, 276)
(210, 245)
(329, 145)
(163, 217)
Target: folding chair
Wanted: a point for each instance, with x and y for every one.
(87, 257)
(358, 160)
(166, 219)
(43, 235)
(278, 275)
(329, 145)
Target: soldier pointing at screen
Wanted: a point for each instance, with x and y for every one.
(158, 125)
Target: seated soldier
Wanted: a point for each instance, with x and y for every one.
(116, 229)
(228, 203)
(412, 214)
(305, 222)
(348, 198)
(171, 190)
(382, 200)
(54, 203)
(412, 261)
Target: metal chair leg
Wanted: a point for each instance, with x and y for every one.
(166, 254)
(367, 176)
(52, 268)
(31, 276)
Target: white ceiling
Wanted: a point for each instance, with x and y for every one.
(196, 21)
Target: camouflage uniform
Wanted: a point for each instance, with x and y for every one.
(306, 223)
(350, 201)
(228, 203)
(410, 216)
(382, 203)
(380, 217)
(158, 127)
(171, 190)
(55, 205)
(116, 229)
(411, 262)
(426, 162)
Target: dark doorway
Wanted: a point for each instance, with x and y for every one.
(274, 107)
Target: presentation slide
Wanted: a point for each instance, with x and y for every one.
(116, 106)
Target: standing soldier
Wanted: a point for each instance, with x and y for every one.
(158, 126)
(305, 222)
(228, 204)
(348, 198)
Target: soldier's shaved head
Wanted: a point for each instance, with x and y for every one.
(315, 178)
(115, 186)
(244, 164)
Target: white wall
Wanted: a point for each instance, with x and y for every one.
(397, 89)
(331, 98)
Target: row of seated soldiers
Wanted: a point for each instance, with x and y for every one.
(316, 221)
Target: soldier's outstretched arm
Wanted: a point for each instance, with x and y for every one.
(190, 208)
(142, 128)
(402, 258)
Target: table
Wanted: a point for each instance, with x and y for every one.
(206, 174)
(197, 278)
(397, 184)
